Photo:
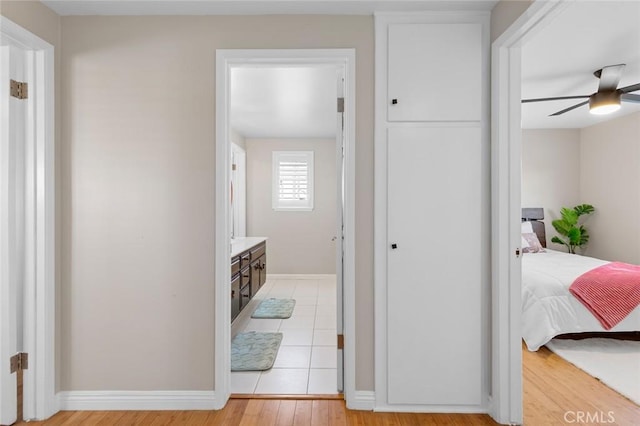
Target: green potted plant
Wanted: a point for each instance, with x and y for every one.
(572, 234)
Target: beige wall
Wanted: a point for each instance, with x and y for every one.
(299, 242)
(598, 165)
(43, 22)
(610, 180)
(505, 13)
(138, 172)
(551, 173)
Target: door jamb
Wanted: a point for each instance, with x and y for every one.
(225, 58)
(240, 187)
(506, 401)
(39, 379)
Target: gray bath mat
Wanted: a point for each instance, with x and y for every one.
(254, 351)
(274, 308)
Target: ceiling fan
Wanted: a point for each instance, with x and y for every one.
(608, 97)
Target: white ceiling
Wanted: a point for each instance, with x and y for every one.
(561, 59)
(284, 102)
(255, 7)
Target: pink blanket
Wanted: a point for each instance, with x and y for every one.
(610, 291)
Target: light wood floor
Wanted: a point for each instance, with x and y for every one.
(552, 387)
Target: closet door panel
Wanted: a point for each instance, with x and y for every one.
(434, 72)
(434, 273)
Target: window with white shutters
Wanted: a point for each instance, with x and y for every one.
(292, 180)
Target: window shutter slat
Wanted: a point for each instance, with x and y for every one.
(292, 180)
(294, 177)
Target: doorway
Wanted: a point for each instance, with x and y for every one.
(506, 214)
(342, 60)
(560, 136)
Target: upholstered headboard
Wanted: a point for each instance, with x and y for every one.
(535, 215)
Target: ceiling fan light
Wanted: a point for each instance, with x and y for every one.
(604, 109)
(604, 103)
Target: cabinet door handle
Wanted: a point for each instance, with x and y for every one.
(245, 295)
(245, 275)
(247, 257)
(233, 294)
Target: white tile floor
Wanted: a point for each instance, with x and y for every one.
(306, 361)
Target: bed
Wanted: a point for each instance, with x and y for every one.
(548, 308)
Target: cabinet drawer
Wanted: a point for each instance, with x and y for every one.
(258, 251)
(245, 296)
(235, 296)
(235, 265)
(245, 277)
(245, 259)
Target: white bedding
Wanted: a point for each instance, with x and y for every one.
(548, 309)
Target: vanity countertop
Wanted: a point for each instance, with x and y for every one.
(241, 244)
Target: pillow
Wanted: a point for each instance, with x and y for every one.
(533, 243)
(524, 243)
(526, 227)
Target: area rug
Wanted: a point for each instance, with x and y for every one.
(615, 363)
(254, 351)
(274, 308)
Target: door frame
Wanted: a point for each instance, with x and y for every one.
(39, 309)
(506, 147)
(225, 59)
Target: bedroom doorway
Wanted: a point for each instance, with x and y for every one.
(341, 290)
(567, 150)
(506, 148)
(507, 195)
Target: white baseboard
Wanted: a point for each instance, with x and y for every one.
(300, 276)
(362, 400)
(136, 400)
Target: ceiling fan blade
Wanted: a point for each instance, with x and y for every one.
(526, 101)
(631, 88)
(610, 77)
(569, 109)
(628, 97)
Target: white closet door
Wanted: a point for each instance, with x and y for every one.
(435, 72)
(434, 274)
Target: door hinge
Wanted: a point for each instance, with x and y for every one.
(340, 104)
(340, 341)
(518, 252)
(19, 89)
(233, 167)
(19, 361)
